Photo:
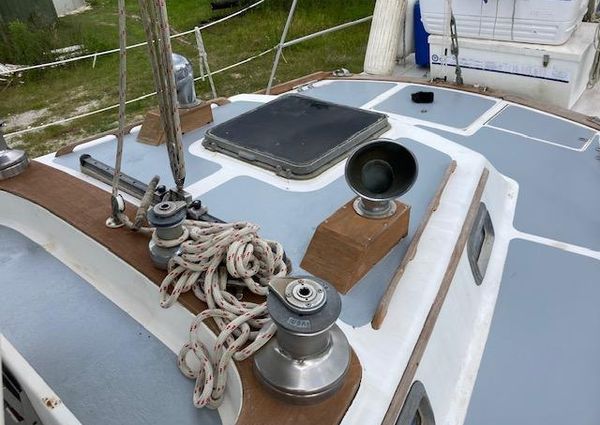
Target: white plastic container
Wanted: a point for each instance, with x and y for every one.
(554, 74)
(535, 21)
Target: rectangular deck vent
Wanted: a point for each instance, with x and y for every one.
(296, 136)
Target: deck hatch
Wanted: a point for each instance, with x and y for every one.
(296, 136)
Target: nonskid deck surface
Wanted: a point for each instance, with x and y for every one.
(348, 92)
(543, 127)
(554, 163)
(558, 187)
(144, 161)
(450, 108)
(540, 364)
(105, 367)
(292, 218)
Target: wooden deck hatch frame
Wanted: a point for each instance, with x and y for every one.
(86, 207)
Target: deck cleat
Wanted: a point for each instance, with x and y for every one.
(309, 357)
(167, 217)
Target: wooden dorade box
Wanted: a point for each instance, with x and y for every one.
(346, 245)
(152, 132)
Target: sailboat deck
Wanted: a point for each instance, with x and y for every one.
(556, 235)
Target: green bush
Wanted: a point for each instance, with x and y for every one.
(26, 45)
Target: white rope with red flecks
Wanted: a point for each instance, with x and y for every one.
(214, 256)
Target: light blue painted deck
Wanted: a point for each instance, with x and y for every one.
(143, 161)
(449, 108)
(292, 218)
(105, 367)
(349, 93)
(535, 124)
(541, 362)
(558, 188)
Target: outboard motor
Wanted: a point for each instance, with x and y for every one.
(12, 161)
(184, 80)
(309, 356)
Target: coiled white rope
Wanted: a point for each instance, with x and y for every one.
(214, 256)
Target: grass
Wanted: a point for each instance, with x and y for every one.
(70, 90)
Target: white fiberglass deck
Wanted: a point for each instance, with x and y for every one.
(552, 161)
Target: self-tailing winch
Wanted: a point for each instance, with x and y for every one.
(167, 217)
(12, 161)
(309, 356)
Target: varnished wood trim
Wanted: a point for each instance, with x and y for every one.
(289, 85)
(113, 132)
(577, 117)
(411, 251)
(419, 349)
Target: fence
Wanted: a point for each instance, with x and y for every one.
(201, 52)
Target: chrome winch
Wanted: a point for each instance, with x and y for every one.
(184, 79)
(167, 217)
(12, 161)
(309, 356)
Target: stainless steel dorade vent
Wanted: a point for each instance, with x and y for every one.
(309, 356)
(184, 80)
(12, 161)
(379, 172)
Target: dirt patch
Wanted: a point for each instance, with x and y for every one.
(27, 118)
(88, 107)
(77, 11)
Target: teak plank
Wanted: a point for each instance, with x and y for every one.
(292, 84)
(411, 251)
(152, 132)
(346, 245)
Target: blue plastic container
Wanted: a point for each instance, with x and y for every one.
(421, 38)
